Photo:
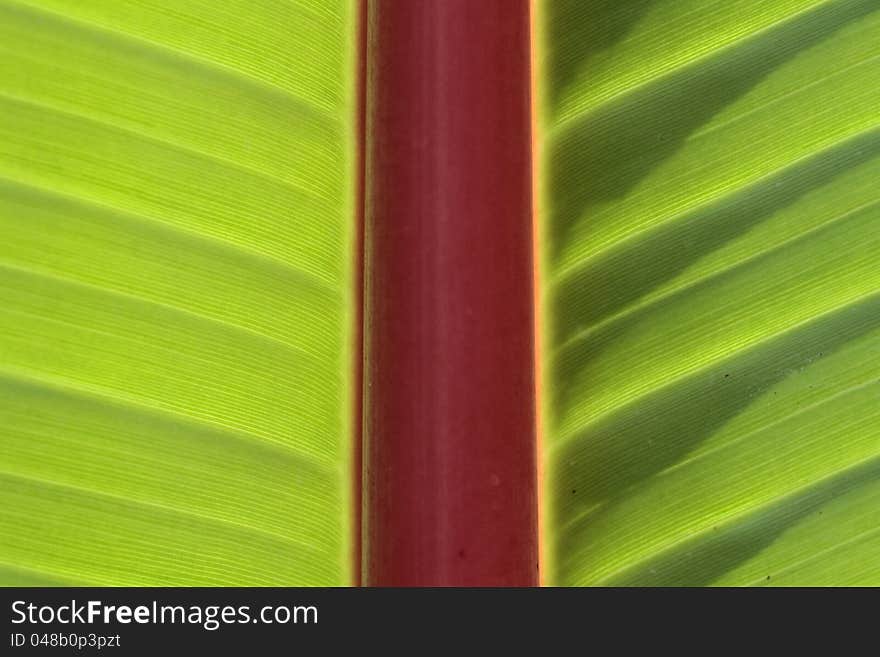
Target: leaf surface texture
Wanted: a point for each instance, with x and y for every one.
(709, 189)
(175, 210)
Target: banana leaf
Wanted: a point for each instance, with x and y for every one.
(711, 230)
(175, 210)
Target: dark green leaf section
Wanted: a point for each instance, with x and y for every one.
(711, 219)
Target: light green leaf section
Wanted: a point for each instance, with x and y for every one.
(711, 270)
(175, 238)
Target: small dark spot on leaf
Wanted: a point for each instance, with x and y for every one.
(768, 578)
(461, 554)
(726, 376)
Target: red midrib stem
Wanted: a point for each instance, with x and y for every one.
(449, 476)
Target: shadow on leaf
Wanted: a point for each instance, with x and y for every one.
(711, 556)
(602, 467)
(579, 32)
(603, 154)
(626, 274)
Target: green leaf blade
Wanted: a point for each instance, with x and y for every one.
(710, 273)
(175, 319)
